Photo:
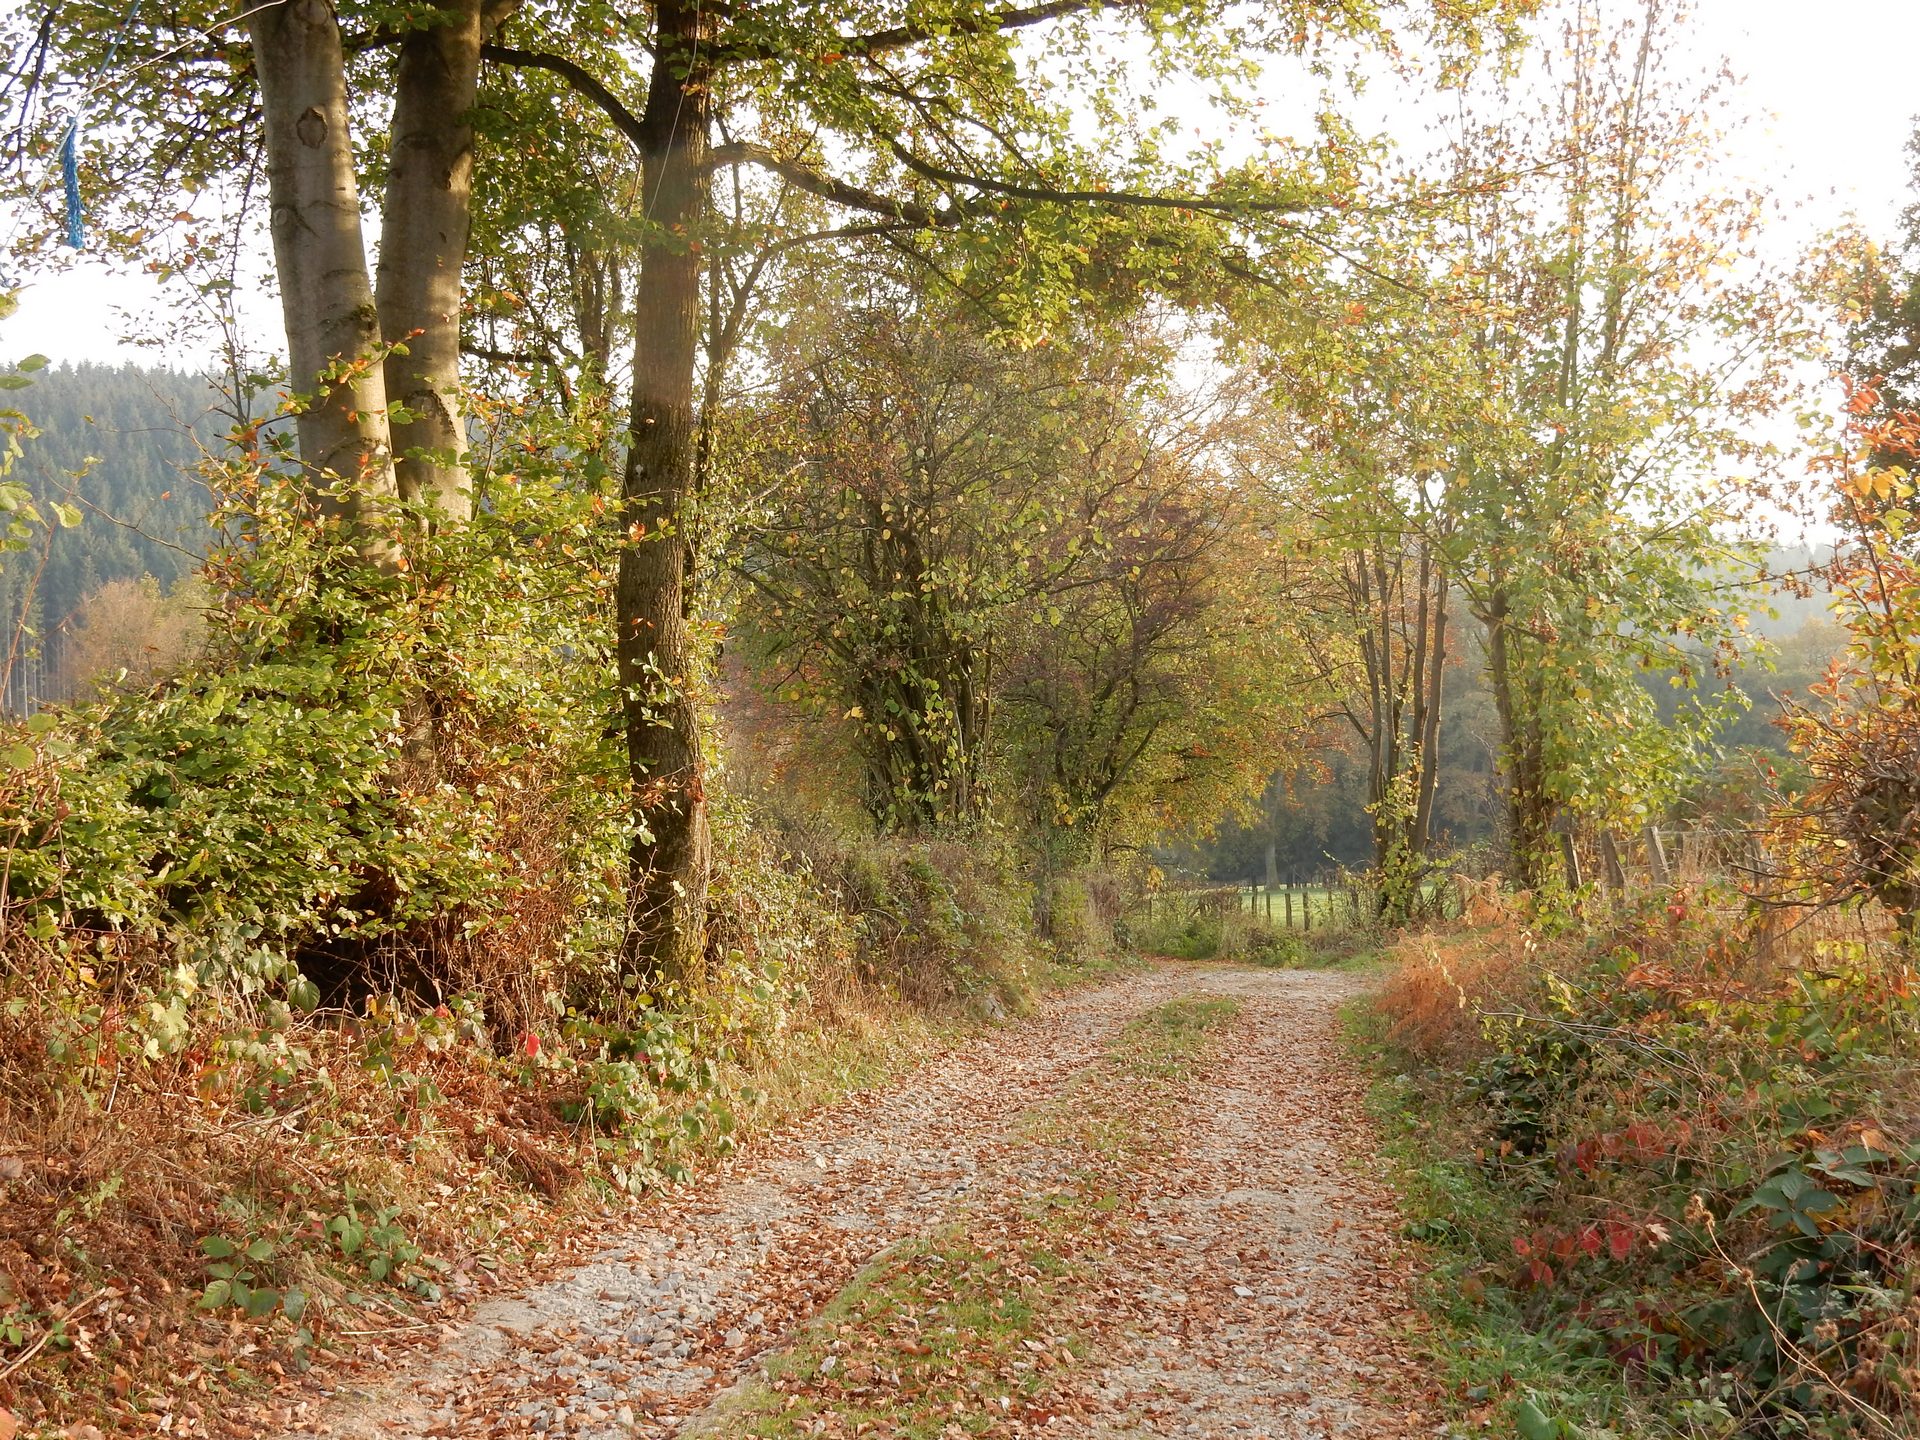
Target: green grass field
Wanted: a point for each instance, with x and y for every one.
(1325, 901)
(1264, 903)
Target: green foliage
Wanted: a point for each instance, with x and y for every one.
(236, 1279)
(1214, 925)
(253, 797)
(941, 921)
(1194, 935)
(952, 529)
(1587, 487)
(650, 1086)
(278, 787)
(372, 1239)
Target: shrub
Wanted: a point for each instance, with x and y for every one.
(1079, 913)
(1712, 1161)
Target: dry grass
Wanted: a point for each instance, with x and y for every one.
(113, 1174)
(1443, 979)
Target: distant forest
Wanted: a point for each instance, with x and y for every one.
(120, 443)
(1315, 819)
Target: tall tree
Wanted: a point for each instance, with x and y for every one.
(923, 122)
(1572, 359)
(425, 221)
(333, 330)
(935, 107)
(1602, 481)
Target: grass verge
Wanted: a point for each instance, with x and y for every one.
(476, 1187)
(1499, 1375)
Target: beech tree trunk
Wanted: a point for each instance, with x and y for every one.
(671, 855)
(332, 328)
(424, 228)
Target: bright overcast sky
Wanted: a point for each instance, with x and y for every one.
(1834, 78)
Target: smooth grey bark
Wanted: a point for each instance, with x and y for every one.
(333, 331)
(425, 223)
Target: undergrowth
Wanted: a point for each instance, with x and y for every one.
(1670, 1177)
(311, 1000)
(1216, 925)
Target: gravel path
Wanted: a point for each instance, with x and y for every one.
(1271, 1297)
(1261, 1290)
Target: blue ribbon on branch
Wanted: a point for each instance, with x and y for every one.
(70, 173)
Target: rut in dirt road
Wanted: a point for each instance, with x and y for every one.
(1256, 1291)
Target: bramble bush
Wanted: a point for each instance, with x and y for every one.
(1709, 1161)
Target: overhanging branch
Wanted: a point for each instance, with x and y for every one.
(901, 37)
(1046, 194)
(582, 80)
(805, 177)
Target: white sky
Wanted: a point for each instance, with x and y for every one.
(1835, 78)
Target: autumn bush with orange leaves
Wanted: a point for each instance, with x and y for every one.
(1699, 1110)
(1856, 830)
(1706, 1146)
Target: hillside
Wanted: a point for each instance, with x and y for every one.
(121, 444)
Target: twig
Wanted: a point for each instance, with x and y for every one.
(47, 1334)
(1679, 1059)
(1872, 1413)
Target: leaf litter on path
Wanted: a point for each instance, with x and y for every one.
(1248, 1284)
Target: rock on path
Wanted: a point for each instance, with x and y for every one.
(1268, 1287)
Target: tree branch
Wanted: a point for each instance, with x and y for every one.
(580, 79)
(1045, 194)
(804, 177)
(902, 37)
(998, 22)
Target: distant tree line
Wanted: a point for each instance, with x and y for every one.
(120, 444)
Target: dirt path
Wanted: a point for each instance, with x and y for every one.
(1255, 1290)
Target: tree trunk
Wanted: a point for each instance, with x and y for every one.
(332, 330)
(423, 249)
(1435, 643)
(1530, 810)
(670, 857)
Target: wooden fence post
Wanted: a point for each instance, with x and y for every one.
(1657, 858)
(1610, 853)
